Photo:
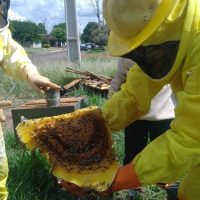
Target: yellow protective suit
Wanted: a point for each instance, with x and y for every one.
(3, 167)
(14, 62)
(177, 151)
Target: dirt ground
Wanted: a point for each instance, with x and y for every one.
(61, 54)
(8, 125)
(50, 56)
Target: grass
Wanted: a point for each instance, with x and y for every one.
(29, 173)
(54, 69)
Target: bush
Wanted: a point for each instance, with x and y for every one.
(47, 46)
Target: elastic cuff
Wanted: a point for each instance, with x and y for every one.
(126, 178)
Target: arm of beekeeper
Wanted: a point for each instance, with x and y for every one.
(170, 155)
(16, 63)
(4, 104)
(132, 101)
(123, 66)
(180, 145)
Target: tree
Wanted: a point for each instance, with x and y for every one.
(95, 34)
(61, 25)
(59, 33)
(44, 39)
(43, 34)
(25, 32)
(87, 32)
(11, 26)
(100, 36)
(42, 29)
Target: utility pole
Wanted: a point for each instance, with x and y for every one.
(73, 41)
(98, 12)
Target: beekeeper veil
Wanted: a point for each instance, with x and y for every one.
(4, 6)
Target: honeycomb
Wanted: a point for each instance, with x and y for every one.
(78, 146)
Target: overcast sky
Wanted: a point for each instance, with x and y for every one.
(50, 12)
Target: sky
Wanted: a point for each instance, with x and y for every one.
(50, 12)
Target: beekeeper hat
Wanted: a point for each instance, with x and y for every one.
(133, 21)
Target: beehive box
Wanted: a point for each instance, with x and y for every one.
(38, 108)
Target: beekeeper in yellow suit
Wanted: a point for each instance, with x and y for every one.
(163, 38)
(14, 62)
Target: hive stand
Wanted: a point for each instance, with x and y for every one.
(38, 108)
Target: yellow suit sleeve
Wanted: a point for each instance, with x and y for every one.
(169, 156)
(15, 60)
(166, 158)
(132, 101)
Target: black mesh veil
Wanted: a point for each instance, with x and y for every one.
(4, 6)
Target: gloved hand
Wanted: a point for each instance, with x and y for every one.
(4, 104)
(41, 83)
(70, 187)
(125, 178)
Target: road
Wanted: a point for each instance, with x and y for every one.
(50, 56)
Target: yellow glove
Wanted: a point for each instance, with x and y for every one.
(41, 83)
(4, 104)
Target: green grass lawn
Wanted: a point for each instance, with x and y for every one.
(29, 175)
